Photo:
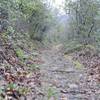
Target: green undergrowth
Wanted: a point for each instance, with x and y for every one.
(51, 93)
(20, 53)
(74, 46)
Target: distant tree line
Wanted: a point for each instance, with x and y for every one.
(84, 18)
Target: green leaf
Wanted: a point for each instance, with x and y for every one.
(12, 86)
(20, 53)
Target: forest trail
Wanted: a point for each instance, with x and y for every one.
(62, 80)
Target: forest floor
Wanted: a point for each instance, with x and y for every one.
(65, 77)
(48, 73)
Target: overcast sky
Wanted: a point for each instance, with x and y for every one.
(58, 4)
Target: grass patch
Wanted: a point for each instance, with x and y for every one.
(77, 64)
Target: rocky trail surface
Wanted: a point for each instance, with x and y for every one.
(65, 79)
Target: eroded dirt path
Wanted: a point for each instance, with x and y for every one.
(61, 80)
